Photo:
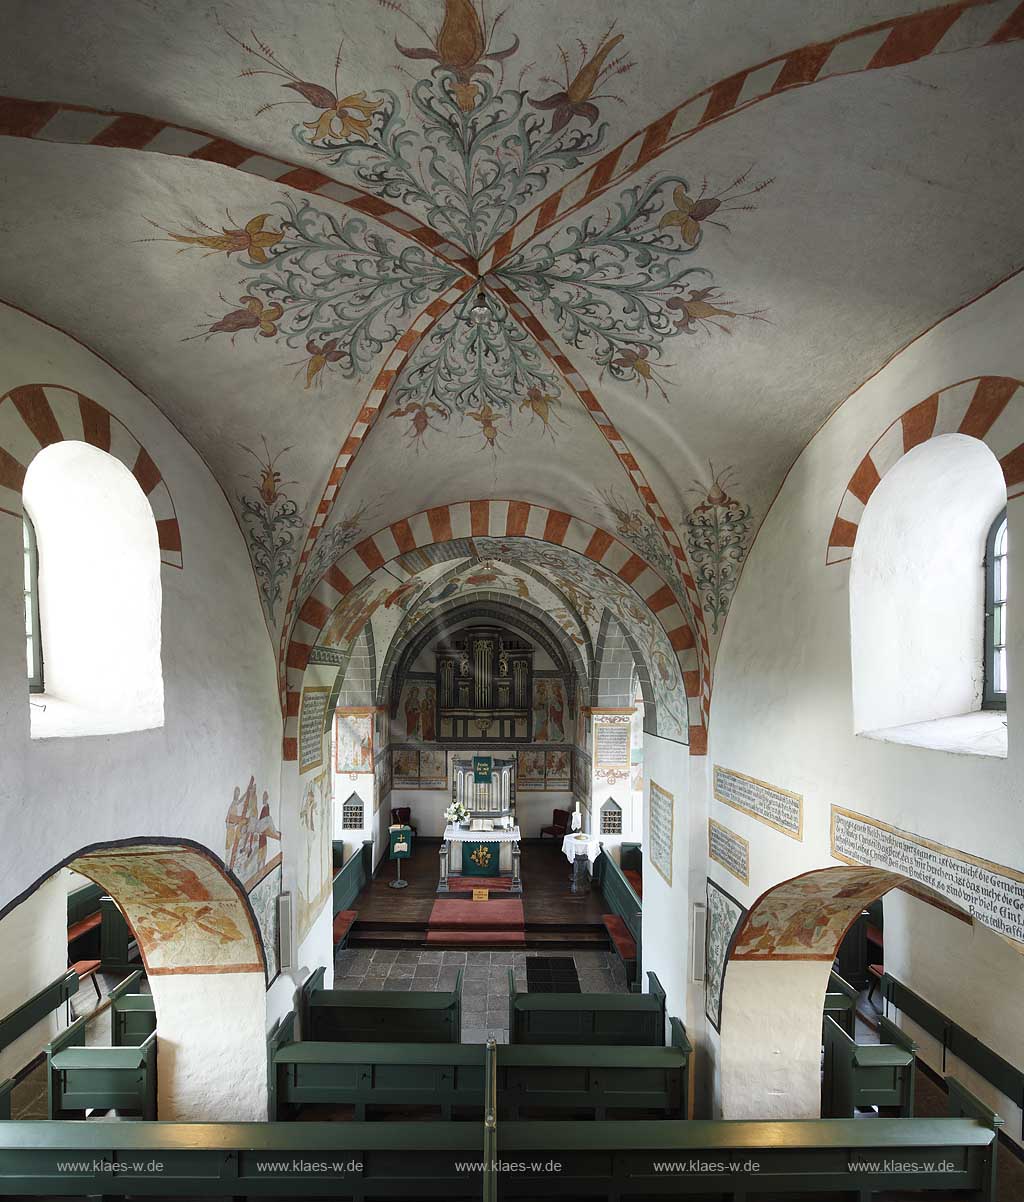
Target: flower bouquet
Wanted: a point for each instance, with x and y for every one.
(456, 814)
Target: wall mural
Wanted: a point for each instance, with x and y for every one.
(315, 862)
(269, 521)
(718, 530)
(469, 152)
(353, 741)
(550, 715)
(185, 913)
(416, 721)
(723, 915)
(263, 899)
(806, 917)
(248, 830)
(332, 544)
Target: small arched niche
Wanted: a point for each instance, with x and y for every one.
(98, 597)
(917, 600)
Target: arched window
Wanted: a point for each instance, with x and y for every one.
(918, 600)
(996, 565)
(97, 594)
(33, 634)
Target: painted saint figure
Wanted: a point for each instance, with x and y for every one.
(540, 712)
(428, 712)
(556, 715)
(412, 712)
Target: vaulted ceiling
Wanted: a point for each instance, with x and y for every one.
(689, 230)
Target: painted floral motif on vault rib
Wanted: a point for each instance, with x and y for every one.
(331, 545)
(718, 530)
(464, 149)
(328, 286)
(270, 520)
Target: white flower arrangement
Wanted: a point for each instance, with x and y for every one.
(456, 813)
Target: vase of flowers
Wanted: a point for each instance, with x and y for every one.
(457, 814)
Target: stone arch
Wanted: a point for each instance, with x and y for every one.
(203, 954)
(773, 990)
(617, 659)
(34, 416)
(466, 520)
(988, 408)
(516, 611)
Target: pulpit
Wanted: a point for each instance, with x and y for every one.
(487, 843)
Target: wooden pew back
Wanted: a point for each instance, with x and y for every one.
(588, 1018)
(81, 1078)
(872, 1074)
(365, 1016)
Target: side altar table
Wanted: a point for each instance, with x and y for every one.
(459, 846)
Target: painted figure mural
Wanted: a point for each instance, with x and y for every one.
(249, 828)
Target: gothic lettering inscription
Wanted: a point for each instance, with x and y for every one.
(775, 807)
(730, 850)
(611, 743)
(993, 893)
(312, 712)
(661, 826)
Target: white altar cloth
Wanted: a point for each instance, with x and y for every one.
(456, 834)
(586, 845)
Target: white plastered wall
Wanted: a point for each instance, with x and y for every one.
(222, 722)
(782, 708)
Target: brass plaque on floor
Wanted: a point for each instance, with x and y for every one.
(481, 894)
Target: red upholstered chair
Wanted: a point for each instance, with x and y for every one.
(559, 827)
(401, 816)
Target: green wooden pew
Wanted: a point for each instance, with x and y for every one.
(840, 1004)
(622, 901)
(651, 1080)
(6, 1088)
(81, 1078)
(132, 1014)
(368, 1076)
(857, 1075)
(371, 1016)
(820, 1158)
(587, 1018)
(30, 1012)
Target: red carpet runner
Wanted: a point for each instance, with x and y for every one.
(495, 923)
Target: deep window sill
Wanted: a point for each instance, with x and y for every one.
(980, 733)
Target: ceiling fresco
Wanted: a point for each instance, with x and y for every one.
(381, 256)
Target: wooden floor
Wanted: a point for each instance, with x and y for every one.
(398, 917)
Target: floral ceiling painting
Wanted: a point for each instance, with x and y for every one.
(377, 257)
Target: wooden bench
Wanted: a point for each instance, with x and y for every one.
(817, 1158)
(81, 1078)
(602, 1159)
(350, 878)
(6, 1089)
(840, 1004)
(98, 931)
(858, 1075)
(343, 922)
(624, 923)
(634, 1082)
(132, 1014)
(50, 998)
(365, 1016)
(588, 1018)
(370, 1076)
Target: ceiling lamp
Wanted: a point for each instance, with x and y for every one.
(480, 314)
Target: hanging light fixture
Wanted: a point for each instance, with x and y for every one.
(480, 313)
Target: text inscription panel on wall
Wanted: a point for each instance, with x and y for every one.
(775, 807)
(662, 822)
(312, 713)
(730, 850)
(993, 893)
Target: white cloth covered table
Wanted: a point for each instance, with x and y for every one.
(588, 845)
(455, 834)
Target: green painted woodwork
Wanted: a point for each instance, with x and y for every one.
(603, 1159)
(859, 1075)
(1006, 1077)
(83, 902)
(25, 1017)
(365, 1016)
(81, 1078)
(840, 1003)
(6, 1088)
(132, 1019)
(132, 984)
(621, 899)
(350, 880)
(118, 949)
(631, 857)
(588, 1018)
(489, 1183)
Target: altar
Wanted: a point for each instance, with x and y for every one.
(485, 842)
